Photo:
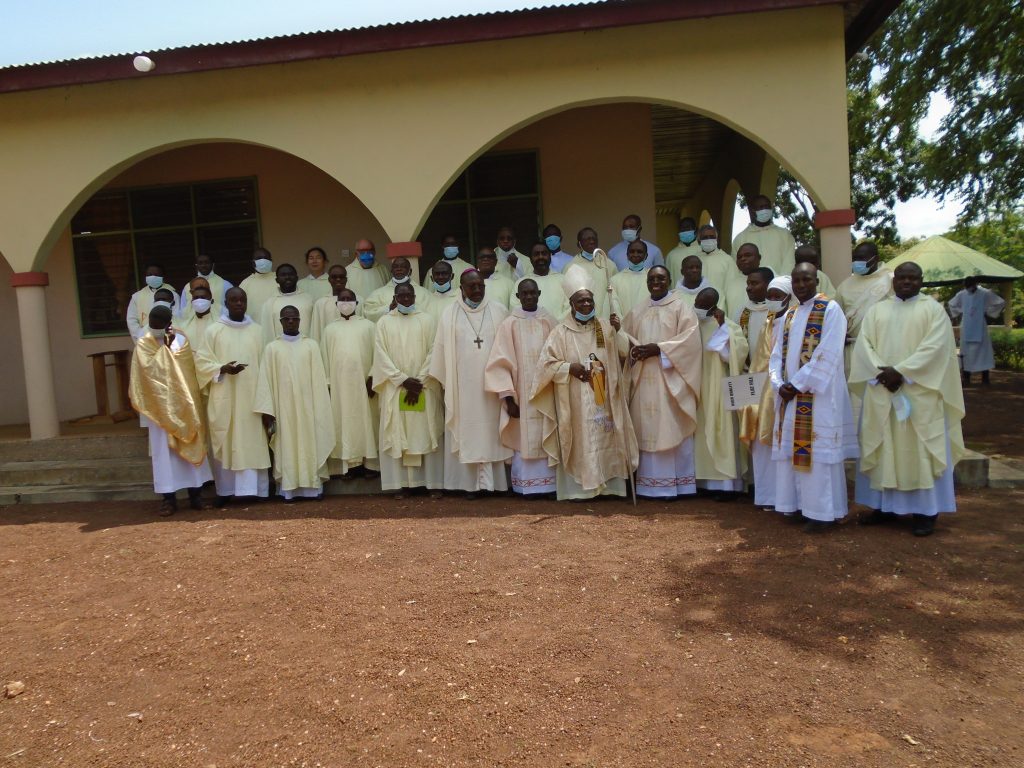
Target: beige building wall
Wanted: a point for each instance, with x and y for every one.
(300, 206)
(596, 167)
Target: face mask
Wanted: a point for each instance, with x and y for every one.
(702, 314)
(775, 305)
(763, 216)
(859, 267)
(585, 317)
(587, 255)
(201, 306)
(406, 310)
(687, 236)
(154, 281)
(163, 304)
(347, 308)
(451, 251)
(635, 267)
(709, 244)
(442, 287)
(629, 235)
(263, 266)
(503, 253)
(400, 280)
(553, 242)
(365, 257)
(470, 303)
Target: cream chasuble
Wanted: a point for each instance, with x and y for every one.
(715, 445)
(629, 289)
(664, 389)
(259, 289)
(237, 438)
(689, 295)
(552, 297)
(776, 245)
(856, 295)
(347, 347)
(365, 281)
(270, 320)
(588, 434)
(325, 312)
(218, 287)
(600, 272)
(378, 303)
(292, 387)
(753, 320)
(734, 299)
(439, 302)
(498, 289)
(194, 327)
(718, 267)
(510, 371)
(674, 259)
(461, 349)
(137, 315)
(402, 348)
(825, 284)
(316, 287)
(914, 337)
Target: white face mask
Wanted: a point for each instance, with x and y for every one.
(709, 244)
(629, 235)
(201, 306)
(503, 253)
(775, 305)
(702, 314)
(263, 266)
(763, 216)
(400, 280)
(347, 308)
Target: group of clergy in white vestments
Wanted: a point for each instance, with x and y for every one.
(578, 375)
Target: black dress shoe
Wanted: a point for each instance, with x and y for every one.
(876, 517)
(793, 518)
(817, 526)
(924, 525)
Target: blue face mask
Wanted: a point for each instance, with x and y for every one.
(451, 251)
(365, 257)
(442, 287)
(636, 267)
(860, 267)
(587, 255)
(553, 242)
(687, 236)
(470, 303)
(154, 281)
(406, 310)
(585, 317)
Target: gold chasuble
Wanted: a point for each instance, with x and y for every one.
(756, 421)
(901, 451)
(587, 429)
(163, 388)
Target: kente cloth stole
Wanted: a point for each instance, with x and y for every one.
(803, 419)
(745, 319)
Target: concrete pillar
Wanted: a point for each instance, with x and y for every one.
(836, 247)
(30, 288)
(411, 251)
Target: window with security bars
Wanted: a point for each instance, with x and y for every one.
(498, 189)
(118, 232)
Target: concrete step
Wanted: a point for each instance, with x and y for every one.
(134, 445)
(76, 472)
(53, 494)
(972, 471)
(1005, 474)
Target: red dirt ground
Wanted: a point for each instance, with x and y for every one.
(363, 631)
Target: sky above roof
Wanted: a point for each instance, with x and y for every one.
(51, 30)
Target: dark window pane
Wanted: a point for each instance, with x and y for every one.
(457, 191)
(504, 174)
(161, 207)
(444, 219)
(522, 215)
(106, 281)
(173, 250)
(230, 247)
(105, 212)
(225, 201)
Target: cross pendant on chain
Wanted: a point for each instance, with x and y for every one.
(479, 342)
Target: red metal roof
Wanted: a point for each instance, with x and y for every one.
(863, 17)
